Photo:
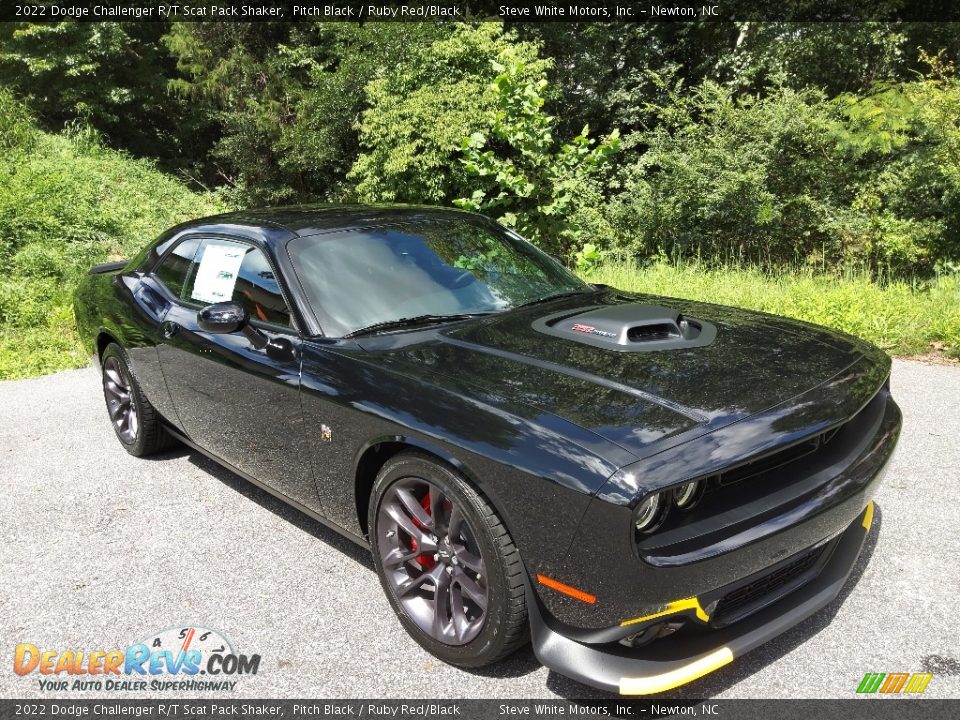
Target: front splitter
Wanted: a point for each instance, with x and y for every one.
(672, 662)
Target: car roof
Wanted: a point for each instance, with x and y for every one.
(304, 220)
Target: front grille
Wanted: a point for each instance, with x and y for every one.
(749, 502)
(775, 460)
(757, 594)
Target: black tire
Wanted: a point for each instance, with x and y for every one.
(503, 626)
(148, 435)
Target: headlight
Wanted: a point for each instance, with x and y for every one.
(686, 495)
(648, 512)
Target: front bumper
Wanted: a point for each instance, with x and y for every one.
(747, 530)
(674, 661)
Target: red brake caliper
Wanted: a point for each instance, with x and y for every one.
(425, 560)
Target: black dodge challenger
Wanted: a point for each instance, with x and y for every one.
(644, 487)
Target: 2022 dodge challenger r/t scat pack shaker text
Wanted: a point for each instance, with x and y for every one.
(644, 487)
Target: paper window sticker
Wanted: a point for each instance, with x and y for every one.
(217, 274)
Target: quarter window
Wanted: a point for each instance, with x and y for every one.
(173, 271)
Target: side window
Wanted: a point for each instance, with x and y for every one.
(175, 267)
(225, 270)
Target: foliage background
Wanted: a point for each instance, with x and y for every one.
(702, 159)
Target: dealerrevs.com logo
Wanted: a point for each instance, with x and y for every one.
(188, 658)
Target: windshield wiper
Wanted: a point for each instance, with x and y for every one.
(413, 322)
(551, 296)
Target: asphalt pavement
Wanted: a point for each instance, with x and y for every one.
(100, 550)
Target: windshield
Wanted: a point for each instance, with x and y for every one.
(358, 278)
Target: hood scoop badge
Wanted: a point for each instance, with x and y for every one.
(634, 327)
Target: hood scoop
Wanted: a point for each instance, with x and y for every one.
(634, 327)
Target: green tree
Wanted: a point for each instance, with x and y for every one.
(608, 71)
(906, 138)
(233, 71)
(419, 112)
(108, 76)
(288, 98)
(604, 74)
(834, 57)
(520, 174)
(866, 178)
(727, 178)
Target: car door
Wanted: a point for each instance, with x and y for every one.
(237, 401)
(152, 296)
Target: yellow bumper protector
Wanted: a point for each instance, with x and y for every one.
(868, 516)
(669, 680)
(676, 606)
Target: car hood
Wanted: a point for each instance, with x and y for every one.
(638, 400)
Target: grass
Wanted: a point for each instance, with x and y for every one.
(67, 203)
(904, 318)
(53, 346)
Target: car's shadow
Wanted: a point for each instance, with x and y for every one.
(273, 504)
(524, 662)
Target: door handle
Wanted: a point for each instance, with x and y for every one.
(170, 329)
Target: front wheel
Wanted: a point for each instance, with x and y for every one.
(447, 563)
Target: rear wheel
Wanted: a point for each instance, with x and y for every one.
(447, 563)
(133, 418)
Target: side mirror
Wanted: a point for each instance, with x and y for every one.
(229, 317)
(222, 318)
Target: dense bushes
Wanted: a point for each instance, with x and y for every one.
(419, 113)
(809, 143)
(103, 75)
(794, 177)
(729, 178)
(520, 174)
(65, 204)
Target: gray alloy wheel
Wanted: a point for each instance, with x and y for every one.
(138, 425)
(121, 400)
(446, 561)
(431, 558)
